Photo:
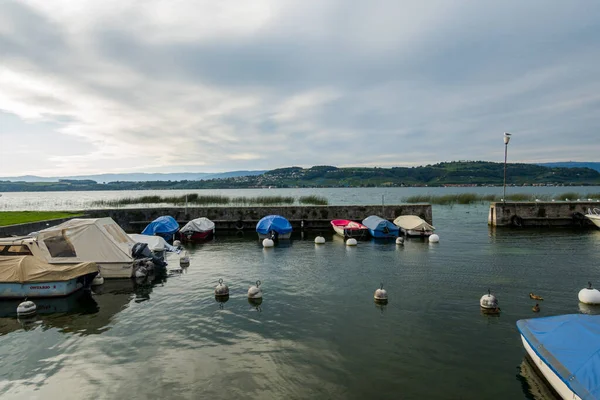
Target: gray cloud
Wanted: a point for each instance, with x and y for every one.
(344, 83)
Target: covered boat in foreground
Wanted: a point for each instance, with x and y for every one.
(164, 226)
(26, 275)
(380, 228)
(412, 225)
(347, 228)
(566, 350)
(197, 230)
(274, 227)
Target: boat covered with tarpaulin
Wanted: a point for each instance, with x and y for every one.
(274, 226)
(78, 240)
(380, 227)
(566, 350)
(197, 230)
(164, 226)
(413, 225)
(347, 228)
(31, 276)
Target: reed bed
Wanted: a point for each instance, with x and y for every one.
(193, 199)
(472, 198)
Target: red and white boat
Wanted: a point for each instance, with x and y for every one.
(197, 230)
(347, 228)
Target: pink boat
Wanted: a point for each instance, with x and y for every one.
(347, 228)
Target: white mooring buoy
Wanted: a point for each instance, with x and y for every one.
(255, 292)
(184, 259)
(351, 242)
(589, 295)
(380, 295)
(400, 240)
(489, 303)
(98, 280)
(26, 308)
(268, 242)
(434, 238)
(221, 290)
(319, 240)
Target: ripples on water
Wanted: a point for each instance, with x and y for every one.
(317, 333)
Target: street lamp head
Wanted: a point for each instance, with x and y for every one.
(506, 137)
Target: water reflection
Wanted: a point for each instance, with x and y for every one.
(534, 384)
(589, 309)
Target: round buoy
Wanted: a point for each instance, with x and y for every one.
(184, 259)
(255, 292)
(319, 240)
(489, 301)
(221, 290)
(351, 242)
(399, 240)
(434, 238)
(268, 242)
(589, 295)
(380, 295)
(98, 280)
(176, 243)
(26, 308)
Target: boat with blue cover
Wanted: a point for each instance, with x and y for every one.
(274, 227)
(566, 350)
(164, 226)
(380, 228)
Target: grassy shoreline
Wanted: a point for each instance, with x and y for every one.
(23, 217)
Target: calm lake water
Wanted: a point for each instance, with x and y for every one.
(317, 333)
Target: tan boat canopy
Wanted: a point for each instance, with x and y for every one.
(22, 269)
(85, 239)
(412, 222)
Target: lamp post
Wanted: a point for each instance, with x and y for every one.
(506, 140)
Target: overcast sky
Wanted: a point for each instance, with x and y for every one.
(207, 86)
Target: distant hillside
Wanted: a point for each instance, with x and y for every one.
(136, 177)
(450, 173)
(574, 164)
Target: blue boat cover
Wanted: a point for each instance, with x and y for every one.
(273, 223)
(570, 346)
(379, 225)
(164, 226)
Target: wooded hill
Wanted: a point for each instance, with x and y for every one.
(447, 173)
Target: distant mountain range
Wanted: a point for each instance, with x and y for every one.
(573, 164)
(136, 177)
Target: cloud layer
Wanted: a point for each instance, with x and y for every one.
(113, 86)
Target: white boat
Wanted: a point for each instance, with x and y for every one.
(564, 348)
(157, 245)
(412, 225)
(594, 216)
(24, 275)
(78, 240)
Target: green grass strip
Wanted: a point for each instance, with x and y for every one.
(23, 217)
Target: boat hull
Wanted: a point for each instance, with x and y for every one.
(557, 384)
(594, 218)
(383, 235)
(196, 236)
(348, 233)
(14, 290)
(282, 236)
(415, 233)
(115, 270)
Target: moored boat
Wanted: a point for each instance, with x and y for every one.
(274, 227)
(565, 350)
(164, 226)
(412, 225)
(347, 228)
(594, 216)
(380, 228)
(30, 276)
(197, 230)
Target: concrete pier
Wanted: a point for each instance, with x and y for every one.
(540, 214)
(234, 219)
